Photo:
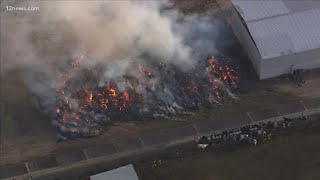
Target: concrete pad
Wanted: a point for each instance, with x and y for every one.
(12, 170)
(3, 107)
(205, 127)
(103, 150)
(224, 123)
(127, 145)
(263, 114)
(235, 121)
(70, 157)
(180, 133)
(293, 107)
(42, 163)
(168, 136)
(2, 123)
(155, 139)
(312, 103)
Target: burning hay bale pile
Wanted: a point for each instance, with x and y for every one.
(137, 61)
(85, 104)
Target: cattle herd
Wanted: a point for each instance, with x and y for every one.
(298, 77)
(250, 134)
(247, 135)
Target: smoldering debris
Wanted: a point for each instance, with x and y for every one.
(149, 91)
(88, 63)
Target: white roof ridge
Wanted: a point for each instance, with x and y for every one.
(284, 14)
(281, 28)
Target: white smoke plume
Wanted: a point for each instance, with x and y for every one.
(106, 31)
(113, 35)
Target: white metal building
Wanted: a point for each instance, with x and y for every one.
(121, 173)
(278, 35)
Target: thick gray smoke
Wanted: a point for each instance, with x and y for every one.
(107, 31)
(111, 36)
(115, 32)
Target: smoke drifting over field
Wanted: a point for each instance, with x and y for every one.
(109, 31)
(103, 44)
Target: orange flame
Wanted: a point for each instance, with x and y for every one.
(90, 97)
(126, 96)
(112, 92)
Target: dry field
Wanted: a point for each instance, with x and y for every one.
(294, 156)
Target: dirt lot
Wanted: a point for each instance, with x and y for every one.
(27, 133)
(289, 156)
(201, 6)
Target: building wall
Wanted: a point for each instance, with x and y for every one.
(269, 68)
(282, 65)
(245, 40)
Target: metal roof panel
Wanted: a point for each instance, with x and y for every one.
(253, 10)
(282, 27)
(121, 173)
